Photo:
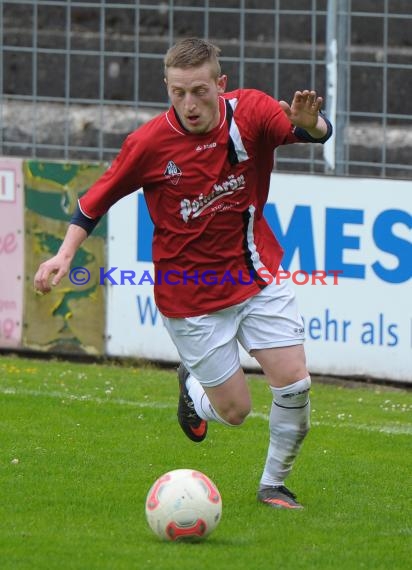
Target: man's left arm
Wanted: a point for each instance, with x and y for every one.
(310, 124)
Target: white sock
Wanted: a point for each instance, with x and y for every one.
(289, 422)
(203, 407)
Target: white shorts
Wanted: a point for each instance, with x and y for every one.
(208, 345)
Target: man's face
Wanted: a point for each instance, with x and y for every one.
(194, 93)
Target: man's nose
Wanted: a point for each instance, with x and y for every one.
(190, 102)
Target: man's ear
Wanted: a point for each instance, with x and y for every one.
(221, 84)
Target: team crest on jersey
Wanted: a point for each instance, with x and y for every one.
(172, 172)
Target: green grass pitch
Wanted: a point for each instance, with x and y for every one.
(81, 444)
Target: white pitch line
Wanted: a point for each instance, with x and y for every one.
(83, 398)
(389, 429)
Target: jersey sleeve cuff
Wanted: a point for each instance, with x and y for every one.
(80, 219)
(306, 137)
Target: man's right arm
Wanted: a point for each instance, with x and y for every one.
(59, 265)
(118, 181)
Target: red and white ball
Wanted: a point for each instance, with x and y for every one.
(183, 504)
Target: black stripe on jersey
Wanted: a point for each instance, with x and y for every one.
(247, 253)
(231, 152)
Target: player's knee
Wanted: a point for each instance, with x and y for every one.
(294, 395)
(236, 419)
(294, 400)
(236, 415)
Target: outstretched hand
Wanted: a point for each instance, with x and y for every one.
(304, 110)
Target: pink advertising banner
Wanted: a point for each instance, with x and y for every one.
(11, 252)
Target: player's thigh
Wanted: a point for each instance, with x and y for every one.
(283, 365)
(271, 319)
(272, 331)
(207, 345)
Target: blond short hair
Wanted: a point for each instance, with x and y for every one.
(193, 52)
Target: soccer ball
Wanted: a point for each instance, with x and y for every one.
(183, 504)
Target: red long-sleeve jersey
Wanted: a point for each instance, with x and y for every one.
(205, 194)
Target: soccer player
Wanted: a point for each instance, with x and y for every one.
(205, 166)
